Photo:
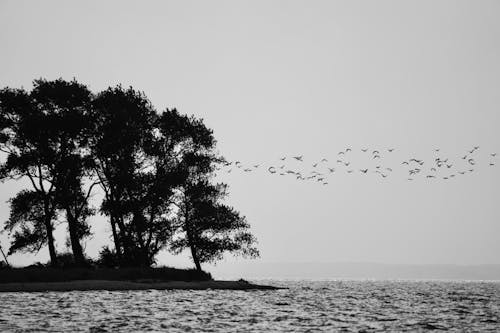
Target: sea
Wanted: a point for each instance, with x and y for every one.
(305, 306)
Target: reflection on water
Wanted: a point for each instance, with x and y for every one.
(308, 305)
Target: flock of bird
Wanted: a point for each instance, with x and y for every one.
(320, 170)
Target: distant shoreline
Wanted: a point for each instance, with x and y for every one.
(87, 285)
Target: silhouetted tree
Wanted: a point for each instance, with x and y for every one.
(45, 134)
(123, 125)
(154, 169)
(27, 222)
(24, 141)
(208, 227)
(67, 110)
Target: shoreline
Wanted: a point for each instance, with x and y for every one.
(110, 285)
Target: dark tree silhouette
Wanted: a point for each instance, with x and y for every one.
(44, 134)
(24, 141)
(123, 125)
(154, 170)
(208, 227)
(27, 222)
(203, 223)
(67, 109)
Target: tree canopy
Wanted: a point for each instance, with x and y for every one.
(155, 170)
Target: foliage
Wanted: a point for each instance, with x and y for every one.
(153, 169)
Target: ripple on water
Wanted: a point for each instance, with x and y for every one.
(307, 305)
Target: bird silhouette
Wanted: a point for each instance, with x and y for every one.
(331, 170)
(324, 160)
(272, 169)
(315, 165)
(493, 154)
(299, 158)
(283, 158)
(364, 150)
(348, 150)
(390, 150)
(364, 170)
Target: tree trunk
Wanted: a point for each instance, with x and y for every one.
(115, 238)
(195, 258)
(50, 241)
(50, 236)
(76, 247)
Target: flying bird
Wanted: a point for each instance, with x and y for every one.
(331, 170)
(299, 158)
(315, 165)
(364, 170)
(324, 160)
(283, 158)
(364, 150)
(390, 150)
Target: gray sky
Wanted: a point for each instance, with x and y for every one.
(275, 78)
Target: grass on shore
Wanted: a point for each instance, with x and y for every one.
(48, 274)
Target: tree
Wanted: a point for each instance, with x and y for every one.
(123, 124)
(45, 134)
(209, 228)
(22, 139)
(66, 106)
(27, 222)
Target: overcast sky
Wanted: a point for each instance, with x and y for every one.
(282, 78)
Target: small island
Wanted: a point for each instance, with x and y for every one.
(155, 174)
(39, 279)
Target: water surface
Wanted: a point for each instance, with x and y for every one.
(349, 306)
